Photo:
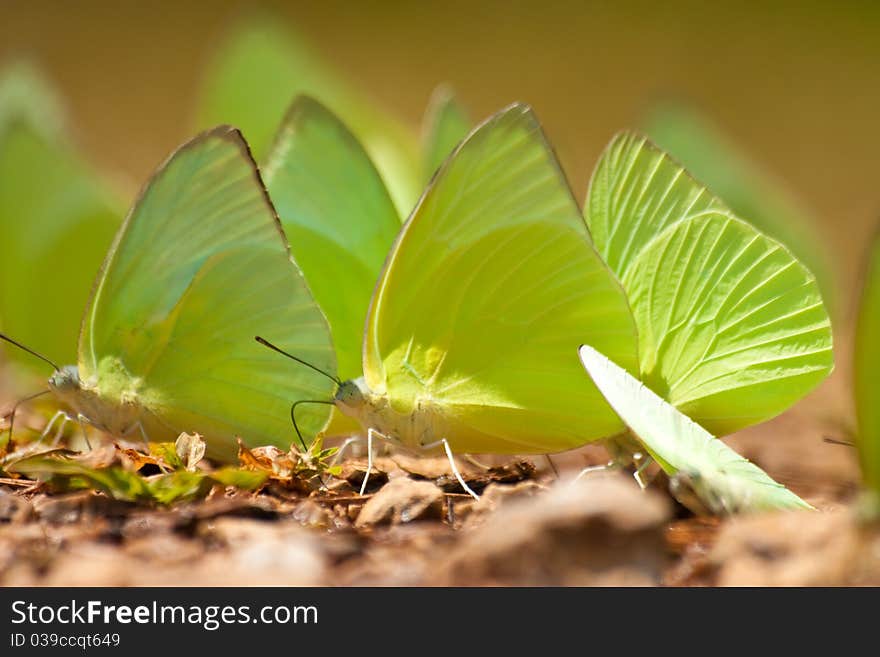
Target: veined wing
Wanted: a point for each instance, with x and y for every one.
(732, 328)
(444, 126)
(490, 283)
(200, 267)
(338, 216)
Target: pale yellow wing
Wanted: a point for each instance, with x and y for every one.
(198, 269)
(488, 291)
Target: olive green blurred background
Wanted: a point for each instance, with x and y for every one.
(796, 85)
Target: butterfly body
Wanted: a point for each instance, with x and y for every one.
(166, 343)
(114, 401)
(418, 427)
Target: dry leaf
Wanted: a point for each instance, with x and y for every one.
(190, 448)
(134, 460)
(294, 469)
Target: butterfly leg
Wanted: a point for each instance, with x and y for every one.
(454, 467)
(60, 431)
(473, 461)
(344, 446)
(595, 468)
(455, 471)
(144, 435)
(552, 466)
(50, 425)
(370, 433)
(645, 462)
(19, 403)
(82, 419)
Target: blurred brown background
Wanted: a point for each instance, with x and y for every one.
(796, 85)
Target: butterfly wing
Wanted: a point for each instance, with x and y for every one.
(866, 363)
(199, 268)
(262, 67)
(27, 97)
(338, 216)
(57, 220)
(732, 328)
(723, 480)
(340, 220)
(445, 124)
(490, 283)
(750, 192)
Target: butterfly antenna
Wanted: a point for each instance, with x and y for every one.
(19, 403)
(271, 346)
(293, 416)
(838, 441)
(30, 351)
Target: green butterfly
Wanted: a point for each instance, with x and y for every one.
(705, 474)
(489, 369)
(57, 219)
(867, 392)
(199, 265)
(444, 126)
(339, 215)
(493, 278)
(732, 328)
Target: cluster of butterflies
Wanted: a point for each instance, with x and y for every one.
(469, 326)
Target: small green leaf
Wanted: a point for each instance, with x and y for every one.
(240, 478)
(67, 474)
(179, 486)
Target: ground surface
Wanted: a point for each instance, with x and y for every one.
(414, 526)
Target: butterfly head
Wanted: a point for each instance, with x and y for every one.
(699, 493)
(350, 395)
(65, 380)
(67, 387)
